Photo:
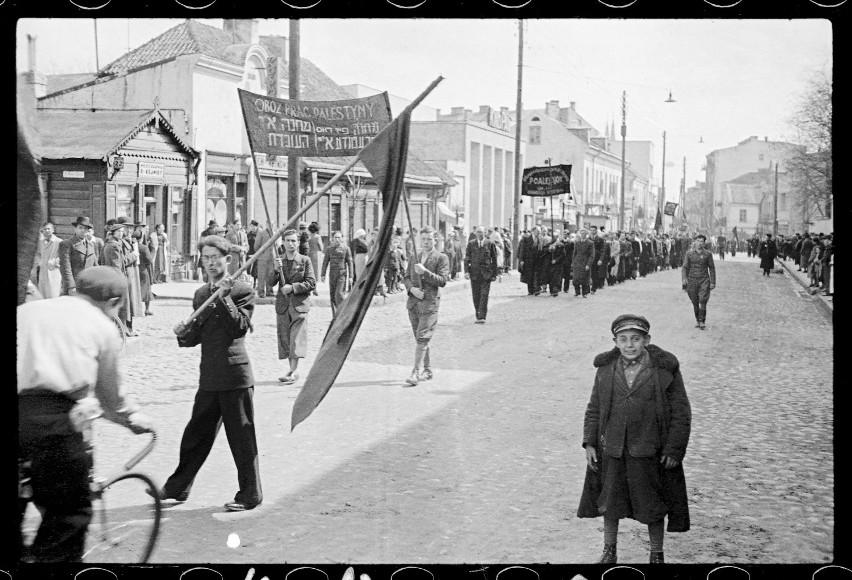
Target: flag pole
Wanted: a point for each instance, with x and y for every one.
(266, 245)
(308, 204)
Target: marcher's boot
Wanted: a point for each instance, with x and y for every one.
(414, 378)
(609, 555)
(657, 558)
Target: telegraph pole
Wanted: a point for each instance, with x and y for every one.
(516, 230)
(623, 155)
(97, 62)
(775, 205)
(293, 174)
(663, 187)
(683, 188)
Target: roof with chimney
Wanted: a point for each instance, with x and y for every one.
(191, 37)
(76, 134)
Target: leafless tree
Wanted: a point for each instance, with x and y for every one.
(809, 169)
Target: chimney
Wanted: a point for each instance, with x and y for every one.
(766, 139)
(484, 109)
(37, 80)
(504, 110)
(573, 105)
(457, 113)
(242, 31)
(277, 46)
(551, 109)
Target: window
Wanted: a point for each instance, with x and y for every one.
(125, 197)
(760, 158)
(743, 216)
(535, 135)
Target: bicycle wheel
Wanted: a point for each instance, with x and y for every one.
(126, 521)
(122, 331)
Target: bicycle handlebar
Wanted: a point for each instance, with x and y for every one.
(143, 453)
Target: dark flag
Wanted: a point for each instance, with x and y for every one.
(385, 158)
(658, 223)
(30, 198)
(735, 233)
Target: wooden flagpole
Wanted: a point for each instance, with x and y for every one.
(266, 245)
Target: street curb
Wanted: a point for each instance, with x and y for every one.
(826, 308)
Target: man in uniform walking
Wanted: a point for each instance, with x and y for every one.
(698, 277)
(480, 267)
(338, 261)
(427, 272)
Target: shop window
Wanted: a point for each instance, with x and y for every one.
(217, 208)
(743, 216)
(125, 194)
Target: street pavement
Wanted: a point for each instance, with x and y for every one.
(484, 463)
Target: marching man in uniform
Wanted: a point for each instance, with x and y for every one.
(699, 278)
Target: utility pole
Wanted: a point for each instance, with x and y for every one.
(775, 205)
(663, 186)
(682, 189)
(97, 62)
(623, 155)
(516, 230)
(293, 173)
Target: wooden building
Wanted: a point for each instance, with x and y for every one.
(106, 164)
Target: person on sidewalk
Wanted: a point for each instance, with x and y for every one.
(529, 248)
(767, 252)
(76, 254)
(721, 244)
(568, 256)
(635, 434)
(698, 278)
(428, 271)
(226, 382)
(47, 275)
(315, 248)
(266, 261)
(337, 260)
(581, 263)
(826, 263)
(596, 268)
(480, 267)
(292, 303)
(556, 257)
(68, 369)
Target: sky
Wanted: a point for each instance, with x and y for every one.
(730, 79)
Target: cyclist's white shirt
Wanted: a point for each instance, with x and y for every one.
(68, 345)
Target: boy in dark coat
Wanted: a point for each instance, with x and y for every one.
(635, 434)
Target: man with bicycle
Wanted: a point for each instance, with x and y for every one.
(68, 371)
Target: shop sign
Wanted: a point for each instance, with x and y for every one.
(74, 174)
(150, 170)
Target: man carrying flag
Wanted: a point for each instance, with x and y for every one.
(427, 272)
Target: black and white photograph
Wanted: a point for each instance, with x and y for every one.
(238, 240)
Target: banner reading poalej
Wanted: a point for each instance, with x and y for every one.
(313, 128)
(546, 181)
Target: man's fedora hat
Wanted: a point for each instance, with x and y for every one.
(83, 221)
(126, 222)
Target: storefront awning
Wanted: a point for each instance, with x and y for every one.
(448, 215)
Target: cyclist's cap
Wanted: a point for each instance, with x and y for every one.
(101, 283)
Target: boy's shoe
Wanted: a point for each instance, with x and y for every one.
(413, 379)
(426, 375)
(609, 555)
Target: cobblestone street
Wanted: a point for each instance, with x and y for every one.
(484, 463)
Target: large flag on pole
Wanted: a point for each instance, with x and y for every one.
(658, 223)
(385, 158)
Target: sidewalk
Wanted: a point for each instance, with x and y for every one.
(186, 290)
(822, 301)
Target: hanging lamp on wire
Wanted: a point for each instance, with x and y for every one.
(670, 99)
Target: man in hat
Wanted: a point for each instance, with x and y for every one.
(767, 252)
(46, 274)
(581, 263)
(698, 277)
(68, 369)
(211, 229)
(251, 236)
(76, 254)
(635, 434)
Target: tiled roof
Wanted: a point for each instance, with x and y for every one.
(92, 134)
(191, 37)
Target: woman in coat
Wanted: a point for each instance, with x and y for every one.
(359, 252)
(767, 253)
(146, 268)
